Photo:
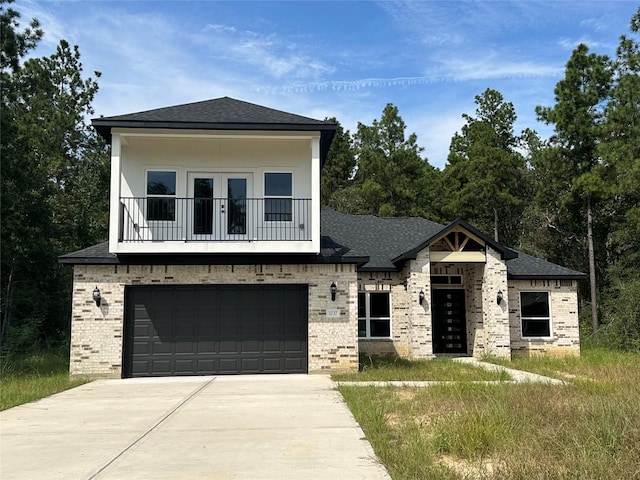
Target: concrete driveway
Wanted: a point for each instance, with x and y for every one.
(244, 427)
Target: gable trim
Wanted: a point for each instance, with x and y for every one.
(458, 225)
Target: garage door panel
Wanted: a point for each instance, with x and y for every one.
(159, 348)
(184, 366)
(189, 347)
(272, 346)
(229, 365)
(206, 347)
(250, 365)
(250, 346)
(293, 346)
(229, 346)
(215, 329)
(293, 363)
(184, 328)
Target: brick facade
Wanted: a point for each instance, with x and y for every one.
(565, 338)
(97, 332)
(492, 328)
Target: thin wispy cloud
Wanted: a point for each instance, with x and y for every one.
(332, 59)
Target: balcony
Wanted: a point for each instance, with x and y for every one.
(212, 220)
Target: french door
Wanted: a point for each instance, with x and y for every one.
(219, 210)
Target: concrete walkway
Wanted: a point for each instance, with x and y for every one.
(517, 376)
(240, 427)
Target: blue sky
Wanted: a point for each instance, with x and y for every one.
(332, 58)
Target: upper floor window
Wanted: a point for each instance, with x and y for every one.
(161, 195)
(278, 193)
(535, 314)
(374, 314)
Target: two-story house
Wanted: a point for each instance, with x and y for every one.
(221, 261)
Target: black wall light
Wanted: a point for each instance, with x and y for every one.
(421, 297)
(96, 296)
(499, 297)
(334, 290)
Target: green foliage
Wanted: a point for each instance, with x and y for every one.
(54, 185)
(338, 168)
(392, 179)
(392, 368)
(485, 179)
(25, 378)
(521, 431)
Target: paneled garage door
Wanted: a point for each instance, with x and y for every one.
(215, 329)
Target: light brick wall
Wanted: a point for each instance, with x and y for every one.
(392, 282)
(565, 337)
(97, 333)
(495, 317)
(421, 334)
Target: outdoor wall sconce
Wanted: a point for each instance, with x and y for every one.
(96, 296)
(334, 290)
(499, 297)
(421, 297)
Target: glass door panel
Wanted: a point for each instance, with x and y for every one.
(202, 206)
(236, 206)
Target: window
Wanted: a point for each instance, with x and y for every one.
(278, 192)
(535, 314)
(374, 314)
(161, 193)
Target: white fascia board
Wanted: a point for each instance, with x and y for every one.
(114, 200)
(315, 193)
(293, 247)
(245, 134)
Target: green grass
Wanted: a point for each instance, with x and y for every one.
(439, 369)
(588, 429)
(27, 378)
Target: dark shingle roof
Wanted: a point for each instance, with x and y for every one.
(218, 114)
(382, 239)
(374, 243)
(526, 267)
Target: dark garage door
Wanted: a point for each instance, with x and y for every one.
(215, 329)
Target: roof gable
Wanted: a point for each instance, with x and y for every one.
(505, 253)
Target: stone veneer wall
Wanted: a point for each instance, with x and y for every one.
(411, 329)
(495, 317)
(97, 333)
(565, 339)
(398, 344)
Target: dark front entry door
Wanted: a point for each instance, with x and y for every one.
(449, 321)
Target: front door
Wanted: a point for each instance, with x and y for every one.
(449, 321)
(220, 207)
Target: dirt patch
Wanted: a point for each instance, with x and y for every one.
(483, 469)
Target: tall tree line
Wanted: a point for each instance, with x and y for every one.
(573, 199)
(54, 182)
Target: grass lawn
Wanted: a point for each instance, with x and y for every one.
(28, 378)
(588, 429)
(440, 369)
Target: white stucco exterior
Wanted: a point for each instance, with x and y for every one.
(221, 155)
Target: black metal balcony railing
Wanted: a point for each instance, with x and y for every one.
(161, 218)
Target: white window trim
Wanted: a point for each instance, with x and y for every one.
(368, 317)
(151, 196)
(549, 318)
(276, 197)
